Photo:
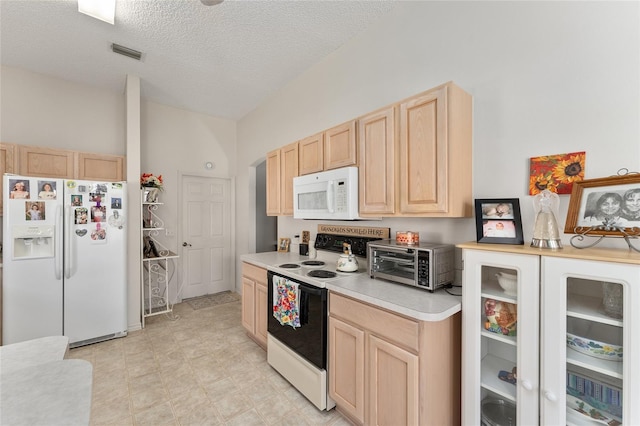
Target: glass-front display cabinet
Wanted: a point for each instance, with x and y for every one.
(547, 336)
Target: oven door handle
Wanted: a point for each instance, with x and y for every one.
(310, 289)
(301, 286)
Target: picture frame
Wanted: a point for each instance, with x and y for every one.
(608, 206)
(498, 221)
(283, 245)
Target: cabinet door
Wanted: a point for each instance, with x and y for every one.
(500, 333)
(8, 161)
(346, 367)
(273, 183)
(109, 168)
(376, 147)
(393, 384)
(261, 312)
(589, 348)
(248, 305)
(46, 162)
(289, 158)
(311, 152)
(435, 151)
(340, 146)
(423, 153)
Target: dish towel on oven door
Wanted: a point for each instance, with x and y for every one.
(286, 296)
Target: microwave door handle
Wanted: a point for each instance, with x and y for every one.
(330, 196)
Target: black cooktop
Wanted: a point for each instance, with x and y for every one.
(321, 273)
(289, 266)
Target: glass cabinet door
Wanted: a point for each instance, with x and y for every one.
(500, 333)
(587, 348)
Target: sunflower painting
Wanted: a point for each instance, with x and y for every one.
(556, 172)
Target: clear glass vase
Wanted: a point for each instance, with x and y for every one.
(612, 299)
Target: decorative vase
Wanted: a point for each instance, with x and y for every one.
(152, 194)
(612, 299)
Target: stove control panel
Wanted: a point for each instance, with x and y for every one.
(332, 242)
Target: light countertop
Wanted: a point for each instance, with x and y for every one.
(57, 392)
(405, 300)
(39, 386)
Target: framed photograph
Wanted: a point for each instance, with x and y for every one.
(283, 244)
(498, 221)
(605, 206)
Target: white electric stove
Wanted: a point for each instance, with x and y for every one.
(299, 353)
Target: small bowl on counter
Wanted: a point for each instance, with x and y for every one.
(594, 339)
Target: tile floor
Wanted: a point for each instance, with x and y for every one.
(200, 369)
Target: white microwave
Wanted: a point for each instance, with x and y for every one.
(327, 195)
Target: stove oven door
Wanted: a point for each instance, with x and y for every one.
(309, 340)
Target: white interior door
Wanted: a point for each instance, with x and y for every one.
(206, 232)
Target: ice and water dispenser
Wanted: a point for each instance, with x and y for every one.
(31, 242)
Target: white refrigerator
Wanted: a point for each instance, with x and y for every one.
(64, 263)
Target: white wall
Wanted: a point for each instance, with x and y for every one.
(45, 111)
(546, 77)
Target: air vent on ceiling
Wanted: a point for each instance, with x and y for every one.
(126, 51)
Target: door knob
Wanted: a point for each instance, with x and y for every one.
(186, 244)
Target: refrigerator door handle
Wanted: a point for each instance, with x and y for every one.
(67, 243)
(58, 249)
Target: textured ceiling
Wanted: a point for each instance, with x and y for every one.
(221, 60)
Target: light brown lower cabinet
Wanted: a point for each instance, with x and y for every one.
(254, 303)
(387, 369)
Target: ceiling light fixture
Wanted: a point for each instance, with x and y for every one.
(104, 10)
(211, 2)
(126, 51)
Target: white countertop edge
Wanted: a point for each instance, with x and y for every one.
(394, 307)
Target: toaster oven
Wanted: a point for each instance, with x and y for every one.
(424, 265)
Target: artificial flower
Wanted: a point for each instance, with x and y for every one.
(148, 180)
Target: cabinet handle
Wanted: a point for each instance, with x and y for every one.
(550, 396)
(186, 244)
(527, 384)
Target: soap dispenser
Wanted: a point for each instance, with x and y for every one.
(545, 232)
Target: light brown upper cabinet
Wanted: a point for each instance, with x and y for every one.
(377, 150)
(9, 163)
(431, 173)
(331, 149)
(273, 183)
(340, 146)
(66, 164)
(46, 162)
(282, 167)
(100, 167)
(311, 152)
